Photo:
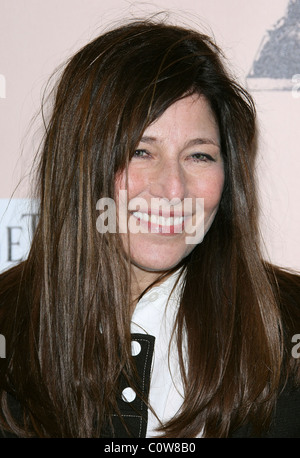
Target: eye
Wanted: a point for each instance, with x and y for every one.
(140, 153)
(202, 157)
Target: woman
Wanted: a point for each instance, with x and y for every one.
(142, 331)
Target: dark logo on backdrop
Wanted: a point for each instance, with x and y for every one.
(276, 66)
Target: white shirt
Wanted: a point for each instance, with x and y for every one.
(155, 315)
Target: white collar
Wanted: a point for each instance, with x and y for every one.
(155, 314)
(151, 308)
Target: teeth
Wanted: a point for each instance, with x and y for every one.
(160, 220)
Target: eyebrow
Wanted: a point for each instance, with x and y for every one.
(193, 142)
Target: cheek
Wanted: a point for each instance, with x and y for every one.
(127, 187)
(137, 183)
(210, 189)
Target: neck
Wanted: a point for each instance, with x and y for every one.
(141, 279)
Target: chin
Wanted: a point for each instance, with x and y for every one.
(153, 268)
(157, 265)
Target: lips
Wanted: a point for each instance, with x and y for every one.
(159, 224)
(160, 220)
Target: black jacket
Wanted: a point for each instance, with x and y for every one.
(285, 424)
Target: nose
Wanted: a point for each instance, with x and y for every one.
(168, 181)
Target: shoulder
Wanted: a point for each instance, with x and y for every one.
(285, 419)
(12, 289)
(16, 413)
(13, 312)
(286, 284)
(285, 422)
(288, 288)
(12, 277)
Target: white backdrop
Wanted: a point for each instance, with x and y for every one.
(260, 39)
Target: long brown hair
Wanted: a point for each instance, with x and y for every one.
(76, 281)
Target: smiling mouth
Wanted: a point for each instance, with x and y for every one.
(160, 220)
(160, 224)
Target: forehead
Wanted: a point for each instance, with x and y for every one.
(190, 116)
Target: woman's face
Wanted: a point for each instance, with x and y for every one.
(176, 167)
